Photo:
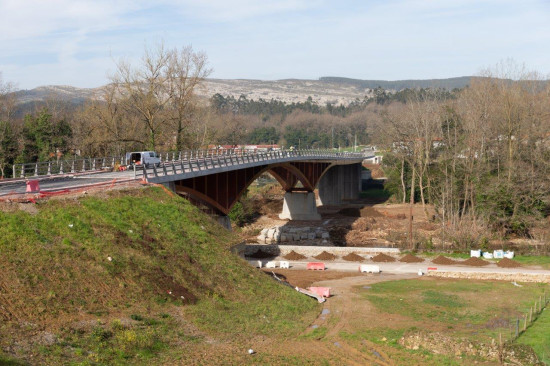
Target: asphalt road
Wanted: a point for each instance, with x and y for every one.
(11, 187)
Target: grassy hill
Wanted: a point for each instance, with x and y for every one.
(129, 277)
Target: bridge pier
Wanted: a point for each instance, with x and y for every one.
(341, 182)
(300, 206)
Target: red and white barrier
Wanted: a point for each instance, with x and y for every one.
(316, 266)
(321, 291)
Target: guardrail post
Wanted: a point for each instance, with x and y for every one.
(22, 170)
(49, 168)
(36, 169)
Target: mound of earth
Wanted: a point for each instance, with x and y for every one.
(443, 260)
(508, 263)
(383, 258)
(293, 256)
(326, 256)
(260, 254)
(475, 261)
(363, 223)
(409, 258)
(353, 257)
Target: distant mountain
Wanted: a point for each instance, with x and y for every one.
(397, 85)
(335, 90)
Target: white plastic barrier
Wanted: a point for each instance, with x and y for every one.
(475, 253)
(369, 268)
(259, 265)
(498, 254)
(271, 264)
(509, 255)
(487, 255)
(284, 264)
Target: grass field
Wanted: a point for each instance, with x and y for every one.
(472, 310)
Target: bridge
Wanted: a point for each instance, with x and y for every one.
(213, 178)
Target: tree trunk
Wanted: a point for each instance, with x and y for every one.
(403, 180)
(411, 203)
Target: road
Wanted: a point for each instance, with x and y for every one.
(69, 181)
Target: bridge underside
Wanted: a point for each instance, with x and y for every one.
(222, 190)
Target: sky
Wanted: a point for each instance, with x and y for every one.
(78, 42)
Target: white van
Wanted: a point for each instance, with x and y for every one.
(145, 158)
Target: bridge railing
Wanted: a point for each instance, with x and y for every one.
(192, 161)
(172, 162)
(60, 167)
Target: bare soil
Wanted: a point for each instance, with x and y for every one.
(474, 261)
(353, 257)
(293, 256)
(383, 258)
(443, 260)
(508, 263)
(409, 258)
(326, 256)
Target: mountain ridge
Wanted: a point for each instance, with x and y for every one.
(326, 89)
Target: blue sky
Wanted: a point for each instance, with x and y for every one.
(77, 42)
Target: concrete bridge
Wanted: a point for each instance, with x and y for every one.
(218, 178)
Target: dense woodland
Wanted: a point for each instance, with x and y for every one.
(480, 154)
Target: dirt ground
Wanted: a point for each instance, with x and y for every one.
(363, 223)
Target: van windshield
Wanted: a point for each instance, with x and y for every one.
(153, 155)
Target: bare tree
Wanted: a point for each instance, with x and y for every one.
(143, 90)
(186, 70)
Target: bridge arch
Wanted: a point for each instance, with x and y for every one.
(222, 190)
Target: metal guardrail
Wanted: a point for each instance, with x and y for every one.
(174, 162)
(61, 167)
(212, 159)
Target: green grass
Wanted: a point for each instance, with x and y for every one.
(538, 336)
(465, 307)
(543, 261)
(165, 255)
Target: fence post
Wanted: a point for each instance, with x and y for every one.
(61, 168)
(525, 323)
(36, 169)
(517, 327)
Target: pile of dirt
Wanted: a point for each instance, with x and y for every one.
(293, 256)
(326, 256)
(383, 258)
(259, 254)
(409, 258)
(363, 223)
(443, 260)
(475, 261)
(508, 263)
(353, 257)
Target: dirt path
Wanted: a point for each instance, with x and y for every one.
(338, 316)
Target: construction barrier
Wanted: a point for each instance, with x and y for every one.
(271, 264)
(316, 266)
(321, 291)
(33, 185)
(284, 264)
(369, 268)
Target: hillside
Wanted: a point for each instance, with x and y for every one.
(129, 276)
(336, 90)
